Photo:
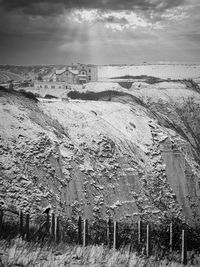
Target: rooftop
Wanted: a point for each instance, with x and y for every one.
(60, 71)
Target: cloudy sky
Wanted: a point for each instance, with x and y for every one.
(99, 31)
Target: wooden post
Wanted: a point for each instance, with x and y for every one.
(79, 230)
(184, 248)
(85, 232)
(108, 233)
(115, 238)
(139, 232)
(53, 226)
(21, 227)
(27, 226)
(47, 223)
(1, 221)
(57, 229)
(171, 237)
(148, 241)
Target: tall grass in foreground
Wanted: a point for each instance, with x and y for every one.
(21, 253)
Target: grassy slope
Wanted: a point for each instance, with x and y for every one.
(19, 253)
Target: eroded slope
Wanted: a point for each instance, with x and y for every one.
(92, 158)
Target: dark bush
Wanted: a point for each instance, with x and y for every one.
(50, 96)
(126, 85)
(103, 96)
(191, 84)
(29, 95)
(20, 92)
(146, 78)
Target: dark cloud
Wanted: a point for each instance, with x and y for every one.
(51, 7)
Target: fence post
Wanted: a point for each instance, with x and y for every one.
(115, 238)
(148, 241)
(1, 221)
(108, 233)
(171, 237)
(184, 248)
(139, 232)
(79, 230)
(21, 220)
(57, 237)
(47, 223)
(27, 226)
(53, 225)
(85, 232)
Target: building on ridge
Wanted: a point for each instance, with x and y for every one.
(75, 74)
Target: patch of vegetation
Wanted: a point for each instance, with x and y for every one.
(43, 250)
(48, 96)
(184, 118)
(21, 253)
(42, 239)
(189, 113)
(21, 92)
(126, 85)
(146, 78)
(29, 95)
(104, 96)
(191, 84)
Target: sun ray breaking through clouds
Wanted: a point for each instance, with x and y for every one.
(99, 31)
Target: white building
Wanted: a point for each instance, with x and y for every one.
(76, 74)
(50, 85)
(67, 77)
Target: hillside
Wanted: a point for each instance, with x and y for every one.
(115, 156)
(29, 72)
(6, 76)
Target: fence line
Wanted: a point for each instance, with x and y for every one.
(79, 231)
(171, 237)
(57, 229)
(139, 232)
(85, 232)
(108, 232)
(53, 233)
(27, 226)
(113, 236)
(148, 241)
(115, 239)
(21, 222)
(184, 248)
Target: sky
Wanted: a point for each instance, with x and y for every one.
(99, 31)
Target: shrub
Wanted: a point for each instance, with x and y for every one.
(50, 96)
(20, 92)
(148, 79)
(126, 85)
(29, 95)
(104, 96)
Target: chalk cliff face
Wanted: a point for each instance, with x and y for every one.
(96, 159)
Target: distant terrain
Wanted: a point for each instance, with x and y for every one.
(162, 71)
(6, 76)
(106, 72)
(27, 72)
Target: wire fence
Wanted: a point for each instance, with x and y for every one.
(142, 237)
